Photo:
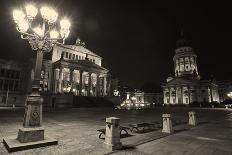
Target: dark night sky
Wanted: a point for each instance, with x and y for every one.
(137, 38)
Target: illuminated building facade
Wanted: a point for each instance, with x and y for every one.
(140, 100)
(74, 69)
(186, 86)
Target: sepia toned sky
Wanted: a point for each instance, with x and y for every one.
(136, 38)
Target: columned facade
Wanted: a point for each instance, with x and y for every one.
(77, 70)
(186, 87)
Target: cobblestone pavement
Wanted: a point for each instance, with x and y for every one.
(76, 131)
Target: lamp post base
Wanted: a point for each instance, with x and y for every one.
(12, 144)
(26, 135)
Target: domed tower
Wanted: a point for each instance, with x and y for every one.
(185, 60)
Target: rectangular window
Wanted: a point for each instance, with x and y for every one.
(2, 72)
(11, 84)
(8, 73)
(174, 100)
(73, 56)
(16, 87)
(66, 54)
(14, 99)
(1, 83)
(3, 99)
(94, 60)
(186, 100)
(69, 55)
(17, 74)
(62, 54)
(6, 84)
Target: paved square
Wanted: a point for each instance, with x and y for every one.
(76, 131)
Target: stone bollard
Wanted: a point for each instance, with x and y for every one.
(112, 136)
(167, 123)
(192, 118)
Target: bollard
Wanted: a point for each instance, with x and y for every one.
(112, 136)
(192, 118)
(167, 123)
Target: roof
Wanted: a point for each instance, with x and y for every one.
(85, 63)
(79, 48)
(181, 81)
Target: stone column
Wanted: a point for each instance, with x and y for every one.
(71, 79)
(112, 136)
(196, 93)
(3, 82)
(169, 89)
(167, 123)
(105, 82)
(195, 60)
(192, 118)
(190, 63)
(176, 95)
(98, 85)
(182, 101)
(189, 95)
(60, 90)
(80, 83)
(89, 84)
(184, 63)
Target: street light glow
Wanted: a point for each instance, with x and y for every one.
(23, 26)
(49, 14)
(46, 30)
(31, 11)
(18, 15)
(39, 31)
(54, 34)
(65, 24)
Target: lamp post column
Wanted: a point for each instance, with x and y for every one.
(33, 111)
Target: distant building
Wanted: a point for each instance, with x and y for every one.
(14, 83)
(186, 86)
(224, 88)
(140, 100)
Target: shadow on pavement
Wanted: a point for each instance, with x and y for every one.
(146, 130)
(126, 135)
(180, 130)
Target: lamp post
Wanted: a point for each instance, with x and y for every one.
(41, 37)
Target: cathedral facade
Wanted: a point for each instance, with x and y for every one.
(186, 86)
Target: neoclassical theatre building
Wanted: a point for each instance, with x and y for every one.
(187, 86)
(74, 69)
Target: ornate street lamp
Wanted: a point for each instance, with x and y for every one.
(41, 37)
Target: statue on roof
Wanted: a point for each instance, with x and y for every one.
(79, 42)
